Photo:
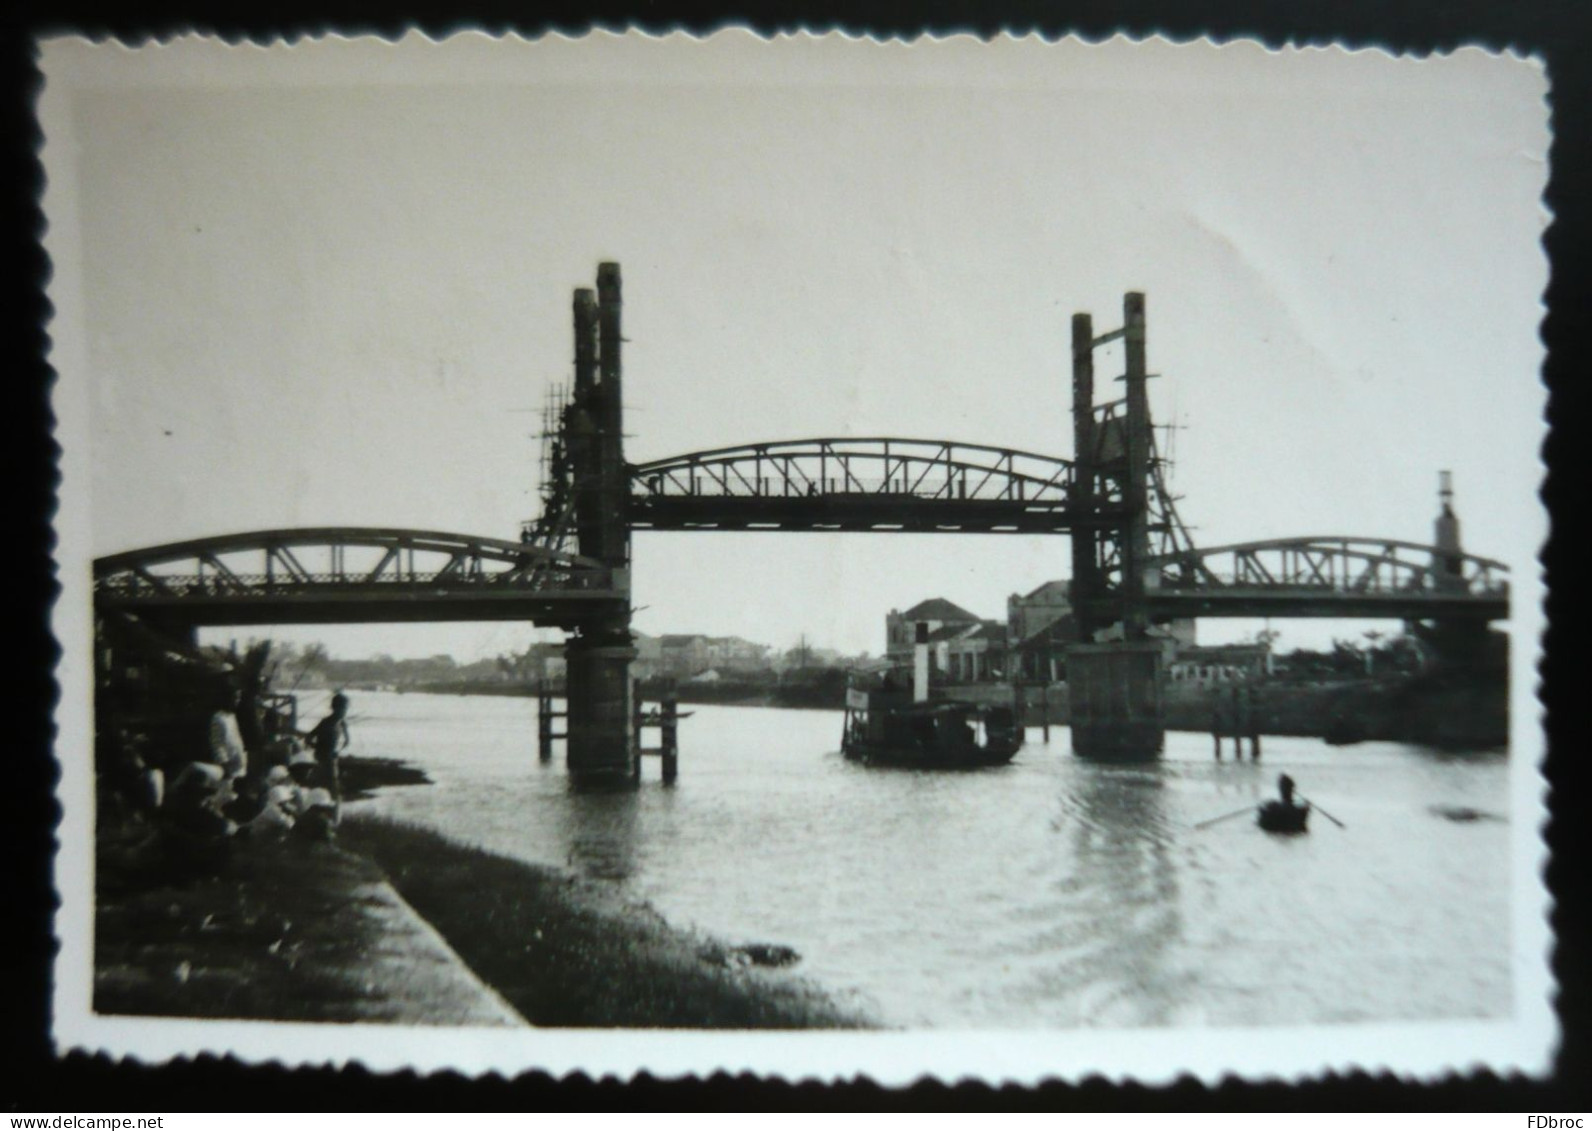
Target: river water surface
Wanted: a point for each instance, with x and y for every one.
(1051, 892)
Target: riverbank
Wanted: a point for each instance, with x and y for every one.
(396, 923)
(571, 952)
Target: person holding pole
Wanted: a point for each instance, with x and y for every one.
(328, 740)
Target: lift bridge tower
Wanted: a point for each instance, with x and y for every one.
(584, 495)
(1116, 688)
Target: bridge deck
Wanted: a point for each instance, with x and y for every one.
(862, 512)
(389, 605)
(1232, 602)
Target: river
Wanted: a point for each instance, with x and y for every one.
(1048, 893)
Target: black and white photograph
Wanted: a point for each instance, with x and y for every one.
(999, 559)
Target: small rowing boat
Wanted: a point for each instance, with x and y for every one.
(1283, 817)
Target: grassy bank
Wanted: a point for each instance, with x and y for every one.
(567, 952)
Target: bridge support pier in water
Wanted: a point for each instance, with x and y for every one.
(1117, 700)
(601, 749)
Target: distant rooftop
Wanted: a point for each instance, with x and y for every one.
(1063, 630)
(938, 608)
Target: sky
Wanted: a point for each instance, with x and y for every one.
(330, 285)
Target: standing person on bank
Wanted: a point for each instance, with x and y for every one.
(328, 740)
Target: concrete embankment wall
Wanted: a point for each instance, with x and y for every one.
(292, 932)
(1453, 709)
(1446, 709)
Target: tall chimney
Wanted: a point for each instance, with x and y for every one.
(1449, 559)
(920, 665)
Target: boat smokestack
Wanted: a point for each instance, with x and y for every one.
(920, 665)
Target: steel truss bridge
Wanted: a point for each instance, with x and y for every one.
(1112, 498)
(1328, 577)
(881, 484)
(342, 574)
(338, 574)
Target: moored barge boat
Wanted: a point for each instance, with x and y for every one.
(888, 724)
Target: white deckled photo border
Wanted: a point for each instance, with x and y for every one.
(82, 354)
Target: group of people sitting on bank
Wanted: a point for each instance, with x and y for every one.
(289, 787)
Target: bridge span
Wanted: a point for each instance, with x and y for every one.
(326, 575)
(330, 575)
(886, 484)
(1328, 576)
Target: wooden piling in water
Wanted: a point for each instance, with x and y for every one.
(669, 746)
(544, 722)
(667, 719)
(638, 716)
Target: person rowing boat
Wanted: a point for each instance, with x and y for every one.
(1284, 815)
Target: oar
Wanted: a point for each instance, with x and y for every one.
(1226, 817)
(1322, 811)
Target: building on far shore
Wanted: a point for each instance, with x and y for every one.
(543, 662)
(963, 647)
(976, 655)
(900, 628)
(684, 655)
(1216, 665)
(672, 655)
(1041, 627)
(1031, 647)
(649, 655)
(731, 655)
